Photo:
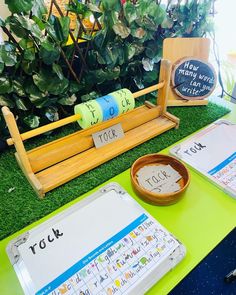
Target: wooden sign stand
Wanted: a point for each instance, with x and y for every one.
(53, 164)
(178, 48)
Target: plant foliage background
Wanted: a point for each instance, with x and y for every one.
(41, 78)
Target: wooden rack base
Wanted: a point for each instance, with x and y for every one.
(186, 103)
(51, 165)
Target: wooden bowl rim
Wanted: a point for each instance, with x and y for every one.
(153, 196)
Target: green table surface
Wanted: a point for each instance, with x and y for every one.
(200, 220)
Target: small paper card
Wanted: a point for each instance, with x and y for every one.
(108, 135)
(159, 178)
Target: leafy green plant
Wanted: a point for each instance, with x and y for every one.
(41, 78)
(129, 47)
(33, 80)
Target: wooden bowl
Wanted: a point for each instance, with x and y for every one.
(155, 198)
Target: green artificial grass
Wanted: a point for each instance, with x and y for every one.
(20, 206)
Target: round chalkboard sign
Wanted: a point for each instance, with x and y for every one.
(193, 79)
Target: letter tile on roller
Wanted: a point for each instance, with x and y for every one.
(124, 99)
(109, 107)
(90, 112)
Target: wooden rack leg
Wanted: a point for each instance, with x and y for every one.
(165, 73)
(21, 154)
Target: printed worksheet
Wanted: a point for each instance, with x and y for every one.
(116, 265)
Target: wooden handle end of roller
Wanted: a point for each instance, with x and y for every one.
(46, 128)
(10, 141)
(5, 111)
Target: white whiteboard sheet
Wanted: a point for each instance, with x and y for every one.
(212, 152)
(90, 248)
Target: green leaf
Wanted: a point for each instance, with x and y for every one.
(26, 43)
(129, 51)
(139, 82)
(41, 24)
(92, 58)
(29, 66)
(50, 82)
(35, 31)
(6, 85)
(146, 23)
(38, 98)
(52, 26)
(121, 55)
(157, 58)
(77, 7)
(39, 9)
(32, 121)
(103, 61)
(134, 67)
(75, 86)
(58, 70)
(52, 114)
(101, 75)
(18, 87)
(5, 101)
(23, 26)
(111, 5)
(90, 96)
(65, 27)
(8, 54)
(121, 30)
(138, 33)
(58, 28)
(29, 54)
(33, 91)
(68, 100)
(109, 55)
(94, 8)
(16, 26)
(130, 12)
(100, 39)
(149, 77)
(156, 12)
(112, 74)
(112, 18)
(143, 8)
(21, 103)
(1, 67)
(167, 23)
(147, 64)
(139, 48)
(49, 52)
(153, 49)
(18, 6)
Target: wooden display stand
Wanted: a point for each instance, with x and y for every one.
(177, 48)
(53, 164)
